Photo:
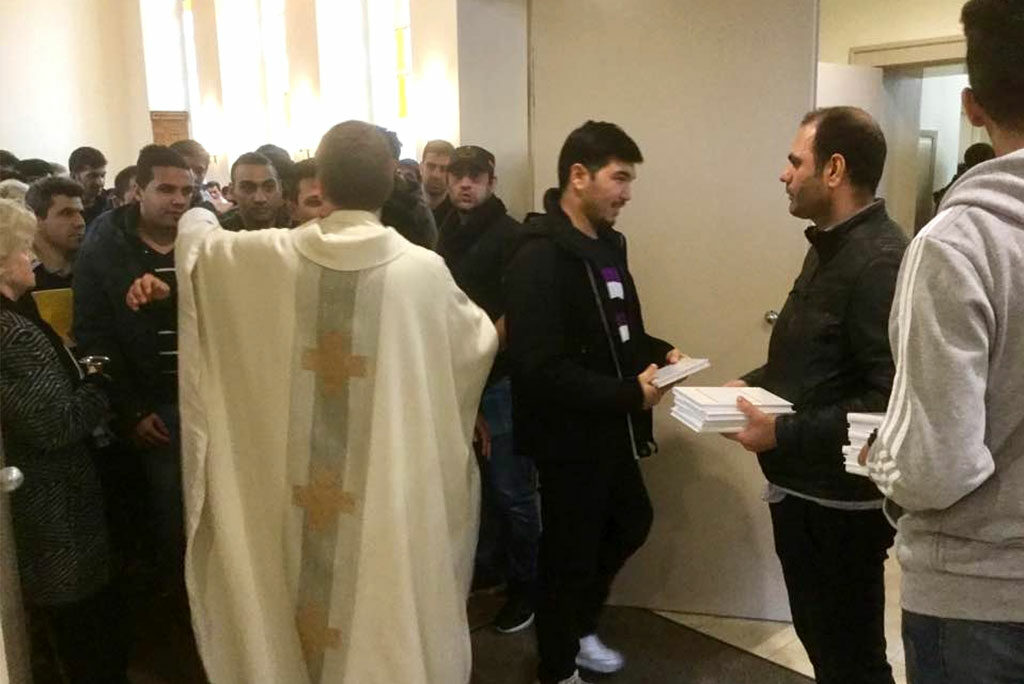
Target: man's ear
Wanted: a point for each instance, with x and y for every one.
(835, 171)
(578, 175)
(975, 112)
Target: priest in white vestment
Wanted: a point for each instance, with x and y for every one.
(330, 377)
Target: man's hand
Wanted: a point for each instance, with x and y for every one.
(735, 383)
(862, 457)
(150, 432)
(652, 394)
(482, 437)
(674, 356)
(146, 289)
(759, 435)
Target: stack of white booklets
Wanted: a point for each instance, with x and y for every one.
(713, 409)
(861, 427)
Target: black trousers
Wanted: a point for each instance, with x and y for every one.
(594, 516)
(89, 639)
(832, 561)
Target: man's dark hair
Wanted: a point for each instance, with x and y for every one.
(281, 160)
(189, 148)
(977, 154)
(852, 133)
(211, 184)
(30, 170)
(995, 58)
(438, 147)
(302, 170)
(593, 145)
(355, 166)
(393, 142)
(7, 159)
(86, 158)
(39, 197)
(413, 166)
(123, 179)
(153, 156)
(253, 159)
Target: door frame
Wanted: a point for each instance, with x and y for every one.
(911, 53)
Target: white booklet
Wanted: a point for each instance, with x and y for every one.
(680, 370)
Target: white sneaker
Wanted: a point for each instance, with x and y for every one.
(575, 679)
(597, 657)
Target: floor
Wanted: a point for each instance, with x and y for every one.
(660, 651)
(777, 642)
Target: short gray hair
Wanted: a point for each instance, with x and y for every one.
(17, 229)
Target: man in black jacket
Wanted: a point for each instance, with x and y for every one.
(126, 244)
(88, 167)
(474, 240)
(829, 354)
(582, 381)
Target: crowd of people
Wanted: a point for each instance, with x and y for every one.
(133, 411)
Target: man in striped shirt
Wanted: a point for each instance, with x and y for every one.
(127, 244)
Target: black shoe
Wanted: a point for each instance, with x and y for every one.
(515, 615)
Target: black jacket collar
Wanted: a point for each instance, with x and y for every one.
(556, 226)
(828, 242)
(456, 236)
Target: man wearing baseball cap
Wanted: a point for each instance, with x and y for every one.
(473, 240)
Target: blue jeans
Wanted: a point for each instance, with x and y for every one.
(162, 466)
(947, 651)
(510, 520)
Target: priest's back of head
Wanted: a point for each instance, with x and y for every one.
(355, 167)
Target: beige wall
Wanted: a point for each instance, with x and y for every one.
(435, 63)
(846, 24)
(470, 84)
(712, 93)
(493, 94)
(73, 75)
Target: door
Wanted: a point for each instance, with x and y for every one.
(14, 662)
(713, 94)
(926, 149)
(893, 98)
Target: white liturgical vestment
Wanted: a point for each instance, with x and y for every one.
(330, 377)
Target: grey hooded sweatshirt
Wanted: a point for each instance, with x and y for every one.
(950, 454)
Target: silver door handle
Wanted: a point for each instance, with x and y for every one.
(10, 479)
(771, 316)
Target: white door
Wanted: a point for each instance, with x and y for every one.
(713, 94)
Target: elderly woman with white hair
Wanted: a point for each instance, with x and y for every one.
(50, 411)
(13, 189)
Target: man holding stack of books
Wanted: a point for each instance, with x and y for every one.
(829, 355)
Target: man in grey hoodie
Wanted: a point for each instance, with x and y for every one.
(950, 454)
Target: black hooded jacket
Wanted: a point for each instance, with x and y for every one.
(576, 343)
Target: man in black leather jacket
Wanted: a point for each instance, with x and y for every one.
(829, 354)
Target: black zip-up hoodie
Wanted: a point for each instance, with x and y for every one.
(576, 343)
